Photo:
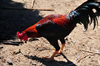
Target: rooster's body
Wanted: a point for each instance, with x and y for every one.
(54, 27)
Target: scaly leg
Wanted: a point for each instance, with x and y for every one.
(56, 46)
(61, 49)
(54, 54)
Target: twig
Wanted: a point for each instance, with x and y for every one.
(87, 55)
(17, 8)
(82, 58)
(91, 52)
(33, 1)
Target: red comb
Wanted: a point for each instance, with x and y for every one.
(18, 34)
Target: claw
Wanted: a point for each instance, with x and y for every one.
(48, 59)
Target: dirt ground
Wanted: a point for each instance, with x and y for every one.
(81, 49)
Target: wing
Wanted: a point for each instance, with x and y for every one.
(44, 25)
(47, 28)
(51, 29)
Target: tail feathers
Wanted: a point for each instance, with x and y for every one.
(84, 14)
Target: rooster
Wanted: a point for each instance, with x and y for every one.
(54, 27)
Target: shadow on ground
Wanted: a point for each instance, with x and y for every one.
(52, 63)
(12, 21)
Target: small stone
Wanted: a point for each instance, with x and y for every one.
(1, 57)
(1, 47)
(3, 60)
(89, 37)
(33, 63)
(97, 51)
(73, 41)
(9, 61)
(68, 42)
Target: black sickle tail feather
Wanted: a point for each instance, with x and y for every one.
(84, 14)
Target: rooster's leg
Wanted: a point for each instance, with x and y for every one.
(54, 54)
(53, 42)
(61, 49)
(62, 46)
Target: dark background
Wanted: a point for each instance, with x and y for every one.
(12, 20)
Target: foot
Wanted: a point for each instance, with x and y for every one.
(52, 57)
(48, 59)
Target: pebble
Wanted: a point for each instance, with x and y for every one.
(1, 47)
(73, 41)
(9, 61)
(1, 57)
(68, 42)
(97, 51)
(3, 60)
(33, 63)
